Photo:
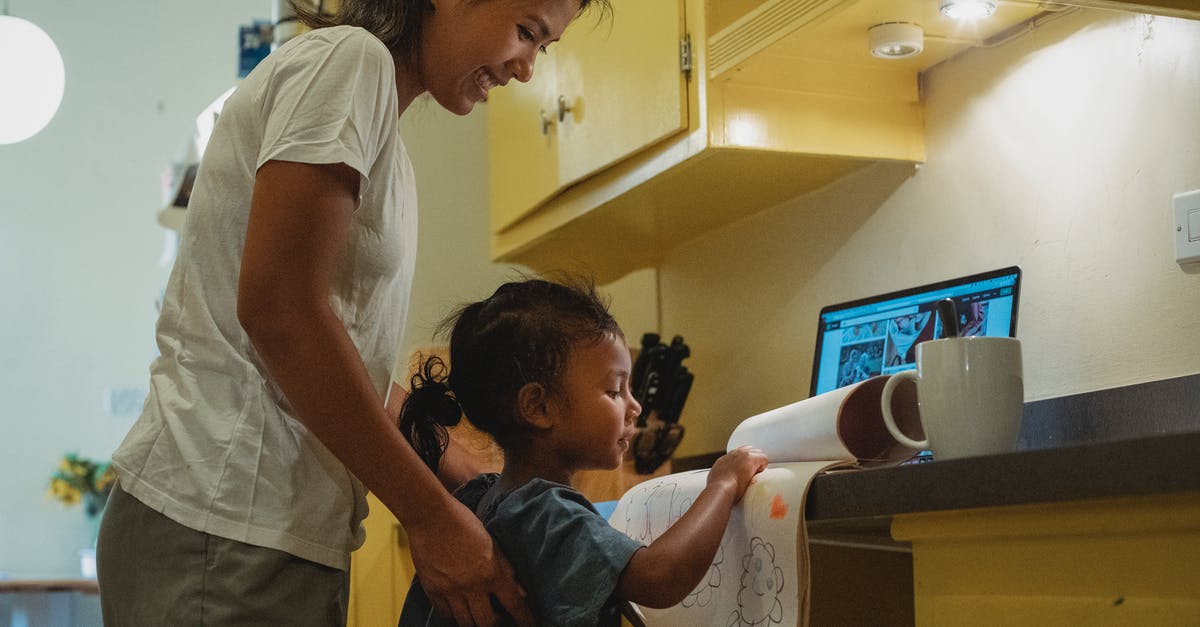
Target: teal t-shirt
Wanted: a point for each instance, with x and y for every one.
(566, 556)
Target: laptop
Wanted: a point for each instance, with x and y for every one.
(863, 338)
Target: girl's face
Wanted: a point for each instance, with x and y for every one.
(595, 407)
(471, 46)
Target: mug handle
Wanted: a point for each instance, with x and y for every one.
(889, 421)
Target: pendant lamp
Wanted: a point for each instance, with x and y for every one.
(31, 78)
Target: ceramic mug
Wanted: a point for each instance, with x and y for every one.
(970, 396)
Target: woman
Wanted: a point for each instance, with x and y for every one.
(239, 496)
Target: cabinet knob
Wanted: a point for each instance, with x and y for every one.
(563, 108)
(546, 121)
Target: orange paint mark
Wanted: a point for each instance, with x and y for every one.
(778, 508)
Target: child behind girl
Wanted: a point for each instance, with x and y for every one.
(543, 368)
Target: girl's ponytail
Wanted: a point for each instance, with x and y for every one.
(428, 410)
(522, 334)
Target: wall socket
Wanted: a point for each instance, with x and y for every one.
(1187, 226)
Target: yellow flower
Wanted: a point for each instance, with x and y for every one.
(106, 479)
(65, 492)
(78, 476)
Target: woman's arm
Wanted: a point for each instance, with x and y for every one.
(299, 224)
(662, 574)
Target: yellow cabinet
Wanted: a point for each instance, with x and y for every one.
(1126, 561)
(381, 570)
(783, 96)
(522, 147)
(620, 85)
(647, 158)
(609, 89)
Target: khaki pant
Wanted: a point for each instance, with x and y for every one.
(154, 572)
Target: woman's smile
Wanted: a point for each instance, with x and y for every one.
(485, 81)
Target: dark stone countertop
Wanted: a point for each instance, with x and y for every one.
(856, 506)
(1135, 440)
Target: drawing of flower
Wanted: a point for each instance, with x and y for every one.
(761, 581)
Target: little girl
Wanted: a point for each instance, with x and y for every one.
(543, 368)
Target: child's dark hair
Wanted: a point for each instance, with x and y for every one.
(521, 334)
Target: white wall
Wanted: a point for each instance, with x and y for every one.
(1058, 151)
(449, 157)
(79, 245)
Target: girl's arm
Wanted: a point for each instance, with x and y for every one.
(299, 224)
(662, 574)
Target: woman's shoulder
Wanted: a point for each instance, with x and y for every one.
(334, 39)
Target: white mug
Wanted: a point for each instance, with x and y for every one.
(970, 396)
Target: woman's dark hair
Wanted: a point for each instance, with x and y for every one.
(521, 334)
(397, 23)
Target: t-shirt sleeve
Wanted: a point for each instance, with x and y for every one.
(568, 558)
(330, 100)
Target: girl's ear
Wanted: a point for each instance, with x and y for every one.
(535, 406)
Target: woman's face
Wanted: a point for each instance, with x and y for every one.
(471, 46)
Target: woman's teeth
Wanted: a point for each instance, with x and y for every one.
(485, 81)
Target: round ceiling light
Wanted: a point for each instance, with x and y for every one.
(968, 9)
(32, 78)
(895, 40)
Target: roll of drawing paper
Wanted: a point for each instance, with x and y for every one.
(841, 425)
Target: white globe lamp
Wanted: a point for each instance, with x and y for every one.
(31, 78)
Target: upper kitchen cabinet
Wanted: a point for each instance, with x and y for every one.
(769, 100)
(608, 90)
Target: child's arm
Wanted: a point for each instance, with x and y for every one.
(662, 574)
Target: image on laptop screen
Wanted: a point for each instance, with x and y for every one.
(878, 335)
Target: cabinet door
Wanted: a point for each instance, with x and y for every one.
(621, 77)
(381, 570)
(522, 147)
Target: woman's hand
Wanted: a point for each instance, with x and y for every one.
(736, 469)
(461, 568)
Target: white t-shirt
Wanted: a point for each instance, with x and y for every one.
(216, 447)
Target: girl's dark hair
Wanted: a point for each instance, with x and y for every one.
(397, 23)
(521, 334)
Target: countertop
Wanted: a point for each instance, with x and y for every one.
(856, 506)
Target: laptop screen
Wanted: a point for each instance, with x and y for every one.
(878, 335)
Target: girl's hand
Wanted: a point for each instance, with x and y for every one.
(736, 469)
(662, 574)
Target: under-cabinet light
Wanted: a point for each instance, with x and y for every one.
(968, 9)
(895, 40)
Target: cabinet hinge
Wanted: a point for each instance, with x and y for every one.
(685, 55)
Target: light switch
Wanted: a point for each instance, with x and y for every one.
(1187, 226)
